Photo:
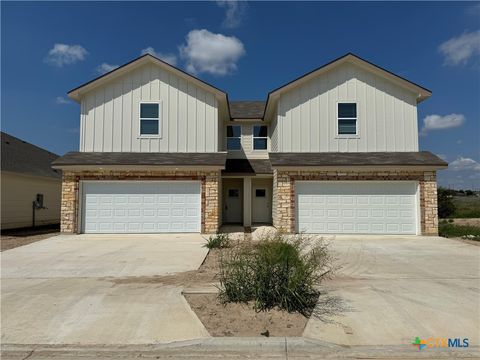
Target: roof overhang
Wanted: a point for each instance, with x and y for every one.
(421, 92)
(247, 167)
(139, 167)
(140, 161)
(421, 160)
(344, 168)
(77, 93)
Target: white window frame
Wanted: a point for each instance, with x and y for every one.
(258, 137)
(357, 134)
(150, 136)
(233, 137)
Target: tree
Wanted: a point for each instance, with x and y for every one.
(446, 207)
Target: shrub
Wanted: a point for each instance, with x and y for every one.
(450, 220)
(446, 207)
(463, 231)
(217, 241)
(277, 271)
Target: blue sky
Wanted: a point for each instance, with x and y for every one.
(246, 49)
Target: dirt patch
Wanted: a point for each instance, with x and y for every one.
(204, 275)
(11, 239)
(242, 320)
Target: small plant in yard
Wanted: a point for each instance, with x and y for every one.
(217, 241)
(446, 207)
(276, 271)
(464, 231)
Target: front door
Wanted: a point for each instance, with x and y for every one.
(233, 205)
(261, 212)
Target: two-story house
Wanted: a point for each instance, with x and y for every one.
(334, 151)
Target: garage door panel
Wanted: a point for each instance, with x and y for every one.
(141, 207)
(356, 207)
(149, 213)
(363, 228)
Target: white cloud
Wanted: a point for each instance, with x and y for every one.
(61, 100)
(169, 58)
(459, 141)
(105, 68)
(63, 54)
(459, 50)
(211, 53)
(438, 122)
(462, 164)
(234, 12)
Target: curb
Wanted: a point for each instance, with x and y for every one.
(232, 348)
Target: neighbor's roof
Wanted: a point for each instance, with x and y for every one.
(422, 158)
(76, 93)
(21, 157)
(247, 109)
(247, 167)
(75, 158)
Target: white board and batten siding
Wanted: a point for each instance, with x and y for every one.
(110, 114)
(307, 114)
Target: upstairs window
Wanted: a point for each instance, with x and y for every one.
(347, 119)
(260, 137)
(149, 119)
(233, 137)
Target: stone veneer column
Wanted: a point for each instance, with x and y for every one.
(428, 203)
(68, 219)
(211, 211)
(283, 192)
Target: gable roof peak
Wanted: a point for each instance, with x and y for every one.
(77, 92)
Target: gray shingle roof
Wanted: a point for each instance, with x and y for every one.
(137, 158)
(247, 167)
(425, 158)
(21, 157)
(247, 109)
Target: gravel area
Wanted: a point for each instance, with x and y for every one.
(13, 238)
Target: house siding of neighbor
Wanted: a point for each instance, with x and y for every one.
(334, 151)
(26, 172)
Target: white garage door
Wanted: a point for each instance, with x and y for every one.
(141, 206)
(366, 207)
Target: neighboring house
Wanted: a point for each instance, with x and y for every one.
(27, 177)
(334, 151)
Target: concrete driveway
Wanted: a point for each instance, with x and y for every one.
(392, 289)
(66, 290)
